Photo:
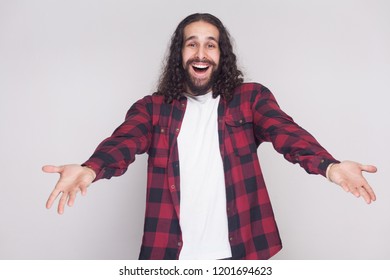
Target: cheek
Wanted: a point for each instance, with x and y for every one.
(216, 57)
(216, 61)
(184, 58)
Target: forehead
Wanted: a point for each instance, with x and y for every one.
(201, 30)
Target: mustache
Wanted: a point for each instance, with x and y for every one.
(197, 60)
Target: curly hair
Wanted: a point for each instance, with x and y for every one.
(172, 83)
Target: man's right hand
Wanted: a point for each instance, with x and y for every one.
(73, 178)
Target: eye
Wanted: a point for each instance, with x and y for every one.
(211, 46)
(191, 45)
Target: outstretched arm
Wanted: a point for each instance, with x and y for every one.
(298, 146)
(348, 175)
(111, 157)
(73, 178)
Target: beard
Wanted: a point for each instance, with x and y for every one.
(200, 86)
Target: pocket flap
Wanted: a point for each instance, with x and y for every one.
(239, 119)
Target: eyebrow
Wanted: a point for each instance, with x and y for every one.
(195, 37)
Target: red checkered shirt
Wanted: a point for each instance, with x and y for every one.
(250, 118)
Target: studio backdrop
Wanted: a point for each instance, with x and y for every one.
(69, 71)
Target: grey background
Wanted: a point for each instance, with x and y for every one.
(69, 70)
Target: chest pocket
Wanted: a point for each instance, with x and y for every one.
(240, 128)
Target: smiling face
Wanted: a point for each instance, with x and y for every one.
(200, 56)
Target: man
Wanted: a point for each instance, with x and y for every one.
(206, 197)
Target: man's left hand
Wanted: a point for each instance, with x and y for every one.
(348, 175)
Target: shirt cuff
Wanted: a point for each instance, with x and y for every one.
(96, 168)
(325, 164)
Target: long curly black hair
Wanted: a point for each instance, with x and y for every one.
(172, 83)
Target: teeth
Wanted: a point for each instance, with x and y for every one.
(200, 66)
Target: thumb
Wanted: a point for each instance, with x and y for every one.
(369, 168)
(52, 169)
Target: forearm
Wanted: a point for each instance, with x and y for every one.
(288, 138)
(113, 156)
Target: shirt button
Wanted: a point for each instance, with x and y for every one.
(230, 238)
(173, 187)
(177, 130)
(179, 243)
(183, 105)
(162, 130)
(240, 121)
(322, 161)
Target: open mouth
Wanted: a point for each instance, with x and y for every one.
(200, 68)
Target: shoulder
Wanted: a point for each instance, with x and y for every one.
(250, 90)
(149, 101)
(249, 93)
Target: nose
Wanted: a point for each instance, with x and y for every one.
(201, 53)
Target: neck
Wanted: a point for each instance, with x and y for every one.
(192, 95)
(197, 93)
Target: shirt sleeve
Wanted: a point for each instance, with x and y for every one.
(113, 156)
(288, 138)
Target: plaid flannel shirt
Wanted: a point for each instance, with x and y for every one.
(250, 118)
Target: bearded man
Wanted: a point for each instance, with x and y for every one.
(206, 196)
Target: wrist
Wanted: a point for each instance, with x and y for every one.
(328, 171)
(90, 171)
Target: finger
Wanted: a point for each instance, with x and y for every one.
(52, 169)
(369, 168)
(53, 196)
(356, 192)
(62, 202)
(370, 192)
(366, 196)
(352, 189)
(83, 189)
(367, 189)
(72, 198)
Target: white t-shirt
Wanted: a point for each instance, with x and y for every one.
(203, 217)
